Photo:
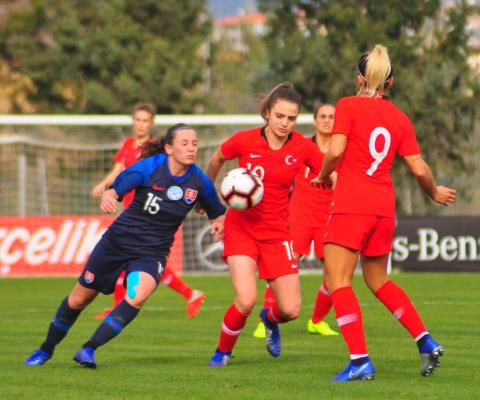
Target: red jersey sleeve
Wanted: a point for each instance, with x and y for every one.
(120, 156)
(314, 158)
(408, 145)
(343, 119)
(233, 146)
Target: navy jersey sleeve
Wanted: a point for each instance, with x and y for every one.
(209, 199)
(136, 175)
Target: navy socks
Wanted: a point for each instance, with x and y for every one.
(113, 324)
(58, 329)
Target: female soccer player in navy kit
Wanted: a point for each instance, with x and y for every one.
(368, 132)
(143, 120)
(259, 237)
(167, 186)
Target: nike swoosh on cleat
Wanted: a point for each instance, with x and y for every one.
(354, 375)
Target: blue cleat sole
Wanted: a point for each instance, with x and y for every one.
(430, 362)
(430, 353)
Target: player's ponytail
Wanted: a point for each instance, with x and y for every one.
(376, 70)
(156, 146)
(283, 91)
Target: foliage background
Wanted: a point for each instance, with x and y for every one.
(102, 57)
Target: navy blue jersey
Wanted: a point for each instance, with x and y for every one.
(161, 203)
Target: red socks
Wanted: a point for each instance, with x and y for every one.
(349, 319)
(119, 292)
(275, 316)
(268, 297)
(400, 305)
(233, 323)
(349, 316)
(323, 304)
(170, 279)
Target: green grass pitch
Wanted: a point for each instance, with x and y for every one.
(163, 355)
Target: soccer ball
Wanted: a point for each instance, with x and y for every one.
(241, 189)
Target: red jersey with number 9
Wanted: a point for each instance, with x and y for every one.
(268, 220)
(376, 131)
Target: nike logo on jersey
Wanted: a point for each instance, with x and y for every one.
(155, 187)
(353, 375)
(294, 266)
(254, 155)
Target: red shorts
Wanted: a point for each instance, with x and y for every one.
(371, 235)
(304, 235)
(273, 258)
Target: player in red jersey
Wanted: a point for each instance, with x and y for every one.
(143, 120)
(369, 131)
(260, 237)
(309, 209)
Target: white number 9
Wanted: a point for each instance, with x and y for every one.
(378, 156)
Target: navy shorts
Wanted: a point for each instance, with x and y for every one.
(108, 260)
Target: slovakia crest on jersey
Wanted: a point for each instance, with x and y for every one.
(190, 195)
(89, 277)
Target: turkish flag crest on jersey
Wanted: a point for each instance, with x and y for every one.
(190, 195)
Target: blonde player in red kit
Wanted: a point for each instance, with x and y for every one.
(309, 209)
(369, 131)
(143, 120)
(259, 238)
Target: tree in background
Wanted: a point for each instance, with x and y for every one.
(103, 56)
(316, 44)
(14, 91)
(239, 70)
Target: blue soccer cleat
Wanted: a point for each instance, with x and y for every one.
(363, 372)
(430, 353)
(86, 357)
(220, 359)
(272, 335)
(38, 357)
